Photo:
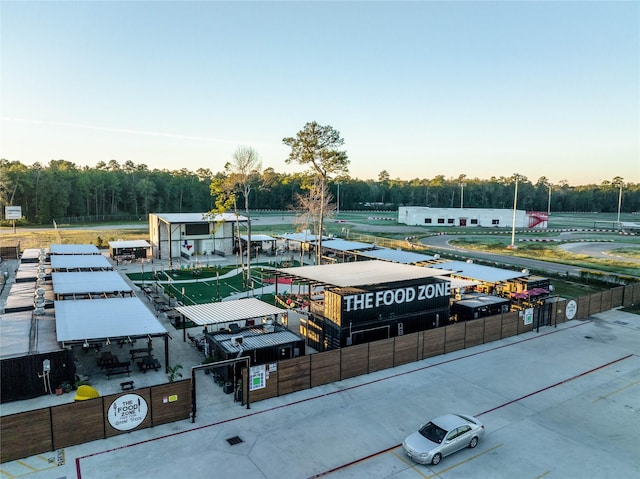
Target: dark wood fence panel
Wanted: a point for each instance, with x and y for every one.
(454, 337)
(594, 303)
(475, 333)
(77, 423)
(510, 324)
(559, 311)
(605, 304)
(631, 295)
(170, 402)
(325, 367)
(293, 375)
(433, 343)
(617, 295)
(354, 361)
(381, 354)
(492, 328)
(113, 401)
(25, 434)
(583, 307)
(406, 349)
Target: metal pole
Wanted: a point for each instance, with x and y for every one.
(619, 204)
(513, 226)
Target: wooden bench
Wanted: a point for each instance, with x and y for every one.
(127, 385)
(118, 368)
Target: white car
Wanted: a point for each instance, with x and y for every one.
(443, 436)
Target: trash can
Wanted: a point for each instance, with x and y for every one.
(227, 388)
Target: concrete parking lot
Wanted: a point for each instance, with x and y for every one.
(563, 402)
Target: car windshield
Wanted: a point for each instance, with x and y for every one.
(433, 432)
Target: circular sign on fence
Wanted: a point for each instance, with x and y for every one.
(571, 309)
(127, 412)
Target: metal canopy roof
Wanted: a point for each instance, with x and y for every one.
(251, 341)
(80, 261)
(345, 245)
(479, 272)
(396, 255)
(105, 318)
(129, 244)
(73, 249)
(228, 311)
(91, 282)
(303, 237)
(360, 273)
(258, 238)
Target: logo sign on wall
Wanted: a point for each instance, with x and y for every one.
(571, 309)
(528, 316)
(127, 412)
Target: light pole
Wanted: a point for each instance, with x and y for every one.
(338, 200)
(462, 185)
(550, 186)
(513, 225)
(619, 203)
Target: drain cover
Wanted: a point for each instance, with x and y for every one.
(234, 440)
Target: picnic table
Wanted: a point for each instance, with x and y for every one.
(148, 362)
(118, 368)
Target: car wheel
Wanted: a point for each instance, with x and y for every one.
(474, 442)
(436, 459)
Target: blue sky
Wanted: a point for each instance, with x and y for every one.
(418, 89)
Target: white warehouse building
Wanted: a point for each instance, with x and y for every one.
(470, 217)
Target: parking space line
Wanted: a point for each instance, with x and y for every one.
(546, 473)
(415, 466)
(617, 391)
(7, 474)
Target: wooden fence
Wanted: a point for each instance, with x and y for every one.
(305, 372)
(35, 432)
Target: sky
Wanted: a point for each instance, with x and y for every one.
(417, 89)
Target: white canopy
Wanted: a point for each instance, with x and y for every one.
(79, 261)
(104, 318)
(89, 282)
(228, 311)
(73, 249)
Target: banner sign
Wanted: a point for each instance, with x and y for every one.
(409, 294)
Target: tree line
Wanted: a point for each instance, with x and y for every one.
(62, 189)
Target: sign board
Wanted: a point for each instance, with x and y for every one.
(528, 316)
(127, 412)
(257, 377)
(571, 309)
(12, 212)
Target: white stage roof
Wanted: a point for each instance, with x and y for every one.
(228, 311)
(86, 282)
(105, 318)
(361, 273)
(79, 261)
(73, 249)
